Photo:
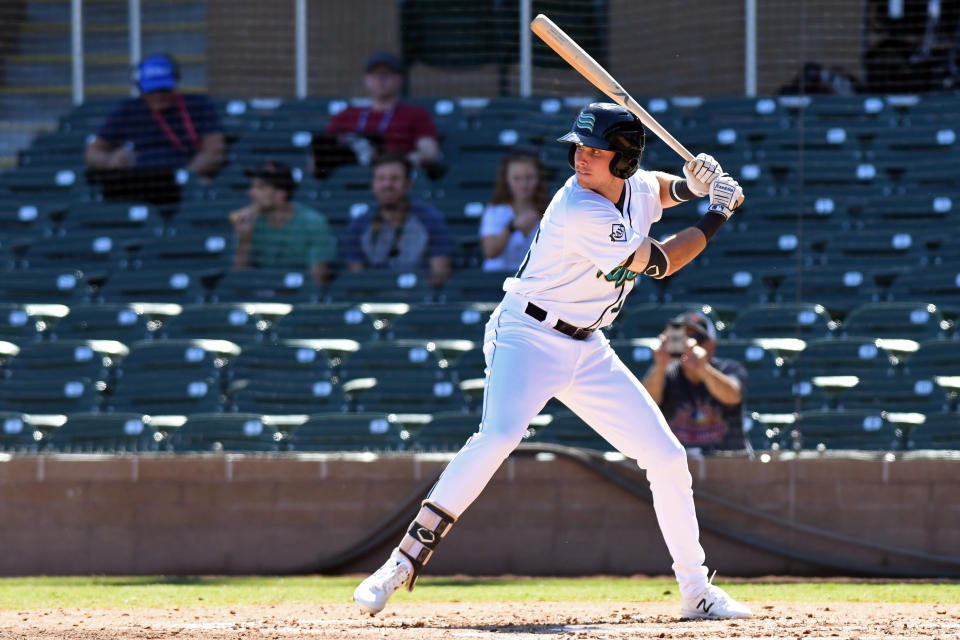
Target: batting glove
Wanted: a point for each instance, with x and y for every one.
(726, 194)
(700, 174)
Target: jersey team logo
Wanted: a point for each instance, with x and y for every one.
(618, 233)
(586, 121)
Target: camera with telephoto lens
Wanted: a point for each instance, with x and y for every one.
(676, 335)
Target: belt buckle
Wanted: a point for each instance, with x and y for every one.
(580, 333)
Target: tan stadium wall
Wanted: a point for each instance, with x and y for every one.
(655, 48)
(238, 514)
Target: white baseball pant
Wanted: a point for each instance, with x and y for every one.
(528, 362)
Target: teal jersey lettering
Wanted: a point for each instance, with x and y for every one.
(618, 276)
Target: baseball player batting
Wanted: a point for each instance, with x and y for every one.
(544, 341)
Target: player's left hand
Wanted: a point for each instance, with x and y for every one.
(700, 172)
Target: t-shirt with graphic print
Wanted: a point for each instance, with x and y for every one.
(696, 417)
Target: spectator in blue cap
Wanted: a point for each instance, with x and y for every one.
(161, 128)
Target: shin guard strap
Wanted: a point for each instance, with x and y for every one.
(423, 536)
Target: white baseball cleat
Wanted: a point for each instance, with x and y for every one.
(713, 603)
(372, 594)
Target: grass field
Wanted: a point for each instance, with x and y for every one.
(167, 592)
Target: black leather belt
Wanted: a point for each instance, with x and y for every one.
(565, 328)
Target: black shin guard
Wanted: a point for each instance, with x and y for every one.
(423, 536)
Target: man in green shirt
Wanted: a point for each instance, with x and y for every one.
(273, 232)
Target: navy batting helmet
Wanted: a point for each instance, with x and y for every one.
(605, 125)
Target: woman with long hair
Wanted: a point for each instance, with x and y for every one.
(511, 219)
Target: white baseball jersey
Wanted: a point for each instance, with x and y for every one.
(572, 268)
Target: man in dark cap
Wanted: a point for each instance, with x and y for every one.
(393, 126)
(274, 232)
(700, 395)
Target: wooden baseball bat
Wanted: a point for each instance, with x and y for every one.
(590, 69)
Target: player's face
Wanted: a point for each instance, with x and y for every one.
(390, 184)
(592, 166)
(382, 82)
(522, 179)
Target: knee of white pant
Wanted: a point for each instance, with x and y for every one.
(672, 462)
(496, 441)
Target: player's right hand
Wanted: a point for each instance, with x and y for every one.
(700, 173)
(726, 195)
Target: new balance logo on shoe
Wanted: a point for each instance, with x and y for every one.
(704, 606)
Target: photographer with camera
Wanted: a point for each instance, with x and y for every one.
(700, 395)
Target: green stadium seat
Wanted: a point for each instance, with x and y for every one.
(198, 358)
(30, 216)
(849, 354)
(380, 286)
(265, 285)
(783, 320)
(328, 320)
(721, 285)
(88, 251)
(198, 252)
(284, 394)
(896, 394)
(284, 378)
(397, 357)
(18, 324)
(866, 248)
(17, 435)
(648, 320)
(78, 358)
(225, 432)
(225, 321)
(55, 392)
(907, 320)
(939, 285)
(474, 285)
(206, 216)
(770, 393)
(838, 289)
(411, 392)
(442, 322)
(165, 393)
(348, 432)
(54, 286)
(752, 355)
(567, 429)
(766, 431)
(152, 285)
(636, 353)
(293, 357)
(63, 180)
(936, 357)
(120, 218)
(104, 433)
(937, 431)
(864, 429)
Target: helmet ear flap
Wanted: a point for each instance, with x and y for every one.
(623, 167)
(570, 154)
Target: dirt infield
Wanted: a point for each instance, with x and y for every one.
(451, 621)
